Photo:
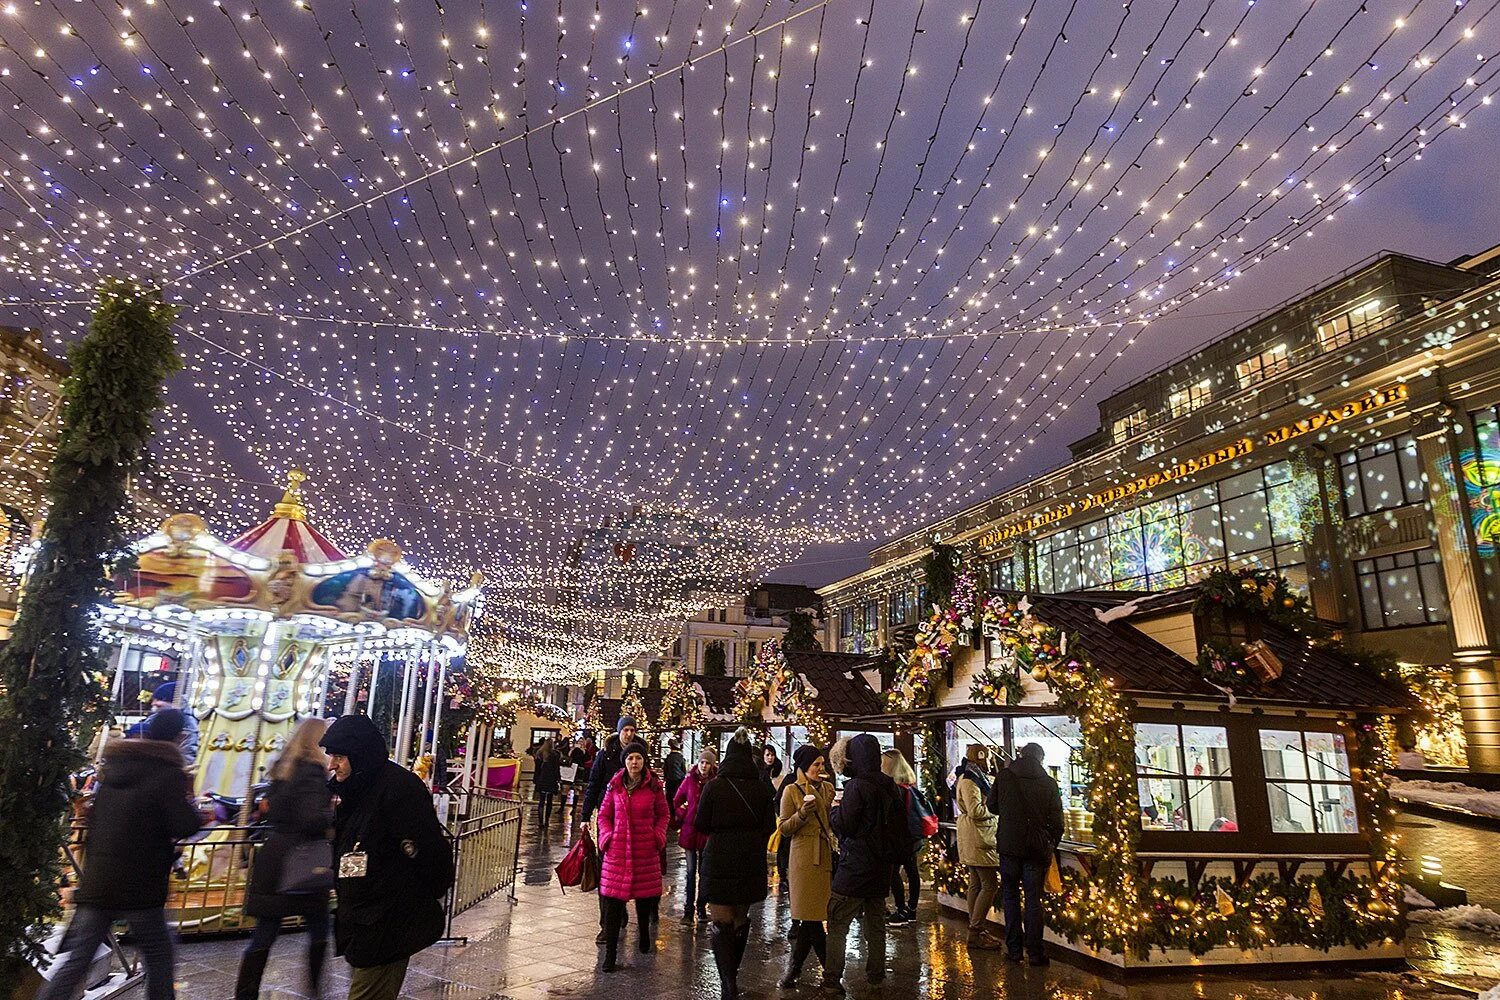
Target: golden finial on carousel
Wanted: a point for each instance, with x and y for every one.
(291, 505)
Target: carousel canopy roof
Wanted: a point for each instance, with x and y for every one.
(287, 530)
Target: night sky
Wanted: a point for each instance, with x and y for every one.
(815, 273)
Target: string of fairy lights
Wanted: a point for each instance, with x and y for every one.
(627, 306)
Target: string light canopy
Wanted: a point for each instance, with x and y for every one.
(627, 305)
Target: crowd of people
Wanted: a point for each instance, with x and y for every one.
(843, 826)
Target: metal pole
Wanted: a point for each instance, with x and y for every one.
(439, 765)
(427, 705)
(321, 707)
(351, 697)
(401, 710)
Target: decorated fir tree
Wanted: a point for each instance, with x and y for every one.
(51, 670)
(800, 632)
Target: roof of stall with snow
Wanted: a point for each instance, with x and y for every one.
(1101, 622)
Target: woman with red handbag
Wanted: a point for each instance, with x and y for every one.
(632, 833)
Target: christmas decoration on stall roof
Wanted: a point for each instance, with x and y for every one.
(1252, 591)
(1026, 644)
(1223, 665)
(50, 668)
(936, 637)
(772, 683)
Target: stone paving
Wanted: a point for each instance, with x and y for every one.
(1467, 849)
(543, 947)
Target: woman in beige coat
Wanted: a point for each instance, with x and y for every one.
(976, 844)
(805, 824)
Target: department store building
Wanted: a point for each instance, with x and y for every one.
(1350, 439)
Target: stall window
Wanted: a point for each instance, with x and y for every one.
(1184, 778)
(1308, 782)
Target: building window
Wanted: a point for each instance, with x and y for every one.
(922, 605)
(1184, 778)
(870, 616)
(1257, 367)
(1189, 398)
(1307, 782)
(1478, 480)
(1382, 475)
(900, 607)
(1003, 574)
(752, 650)
(1129, 425)
(1344, 328)
(846, 623)
(1403, 589)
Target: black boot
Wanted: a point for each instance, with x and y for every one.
(252, 967)
(820, 942)
(317, 950)
(722, 939)
(647, 920)
(800, 948)
(612, 933)
(741, 939)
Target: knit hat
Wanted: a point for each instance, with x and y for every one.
(636, 746)
(805, 756)
(708, 756)
(165, 725)
(625, 720)
(165, 692)
(355, 737)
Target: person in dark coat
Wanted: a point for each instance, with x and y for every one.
(1024, 796)
(737, 815)
(393, 861)
(608, 762)
(162, 699)
(673, 768)
(547, 778)
(870, 823)
(299, 811)
(142, 806)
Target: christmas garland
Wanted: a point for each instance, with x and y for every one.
(932, 650)
(772, 674)
(1223, 665)
(1256, 592)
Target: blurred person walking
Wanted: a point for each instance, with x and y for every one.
(393, 863)
(293, 870)
(807, 831)
(976, 845)
(870, 823)
(735, 812)
(632, 833)
(689, 837)
(142, 806)
(1029, 805)
(547, 778)
(895, 765)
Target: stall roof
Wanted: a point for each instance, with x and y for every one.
(838, 678)
(609, 708)
(1311, 678)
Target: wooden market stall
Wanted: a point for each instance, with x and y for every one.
(1222, 772)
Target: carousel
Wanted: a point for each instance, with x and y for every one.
(261, 624)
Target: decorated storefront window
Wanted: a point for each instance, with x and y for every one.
(1308, 782)
(1184, 778)
(1481, 480)
(1254, 518)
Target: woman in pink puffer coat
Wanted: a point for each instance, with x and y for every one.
(632, 835)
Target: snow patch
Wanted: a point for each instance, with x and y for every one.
(1461, 918)
(1493, 993)
(1119, 611)
(1449, 794)
(1416, 901)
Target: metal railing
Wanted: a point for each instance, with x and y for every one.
(486, 832)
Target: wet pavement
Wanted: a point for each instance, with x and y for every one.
(542, 946)
(1467, 849)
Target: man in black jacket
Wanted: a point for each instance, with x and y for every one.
(141, 808)
(393, 860)
(1029, 807)
(870, 822)
(673, 768)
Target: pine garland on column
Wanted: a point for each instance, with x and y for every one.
(51, 670)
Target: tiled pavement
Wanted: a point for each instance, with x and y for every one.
(542, 947)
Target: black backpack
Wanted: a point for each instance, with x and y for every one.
(896, 843)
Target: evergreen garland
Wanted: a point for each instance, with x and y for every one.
(51, 668)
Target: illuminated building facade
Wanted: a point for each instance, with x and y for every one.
(1349, 439)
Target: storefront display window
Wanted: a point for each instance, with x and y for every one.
(1254, 518)
(1308, 782)
(1184, 778)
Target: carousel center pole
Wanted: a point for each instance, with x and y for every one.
(351, 696)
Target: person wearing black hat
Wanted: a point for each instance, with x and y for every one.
(737, 815)
(162, 699)
(142, 807)
(392, 860)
